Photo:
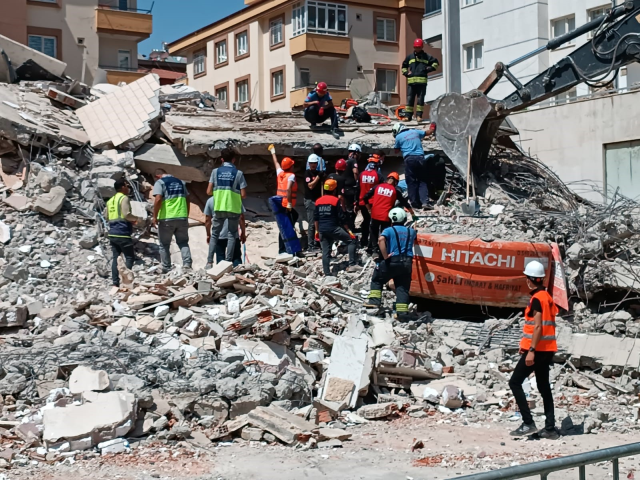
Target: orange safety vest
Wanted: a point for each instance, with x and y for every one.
(549, 311)
(283, 186)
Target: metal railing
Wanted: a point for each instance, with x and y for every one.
(116, 67)
(313, 85)
(104, 6)
(545, 467)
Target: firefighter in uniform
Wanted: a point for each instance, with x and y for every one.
(396, 247)
(287, 189)
(416, 67)
(369, 178)
(538, 347)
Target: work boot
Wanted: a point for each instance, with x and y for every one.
(372, 303)
(409, 116)
(334, 132)
(524, 430)
(549, 434)
(208, 266)
(418, 119)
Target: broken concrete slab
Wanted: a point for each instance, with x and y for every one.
(408, 363)
(379, 410)
(382, 334)
(326, 433)
(148, 324)
(20, 53)
(85, 379)
(13, 315)
(5, 233)
(351, 361)
(190, 169)
(338, 390)
(51, 203)
(284, 425)
(21, 203)
(594, 350)
(219, 269)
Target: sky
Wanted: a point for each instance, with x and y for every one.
(173, 19)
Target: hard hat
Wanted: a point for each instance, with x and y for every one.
(397, 128)
(418, 43)
(341, 165)
(287, 163)
(534, 269)
(397, 215)
(354, 147)
(394, 175)
(321, 87)
(330, 185)
(373, 159)
(313, 158)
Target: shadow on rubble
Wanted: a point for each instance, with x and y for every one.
(568, 428)
(460, 311)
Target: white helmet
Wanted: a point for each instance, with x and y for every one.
(354, 147)
(398, 127)
(397, 215)
(534, 269)
(313, 158)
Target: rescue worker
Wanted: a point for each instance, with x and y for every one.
(538, 347)
(416, 68)
(396, 248)
(355, 151)
(409, 141)
(318, 107)
(380, 200)
(220, 249)
(340, 176)
(287, 189)
(318, 151)
(369, 178)
(330, 223)
(350, 181)
(171, 217)
(121, 222)
(228, 187)
(312, 192)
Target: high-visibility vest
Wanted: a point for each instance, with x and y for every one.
(118, 225)
(384, 198)
(226, 194)
(283, 187)
(174, 202)
(549, 311)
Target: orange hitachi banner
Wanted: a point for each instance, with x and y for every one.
(462, 269)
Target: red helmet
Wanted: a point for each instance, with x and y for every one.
(321, 87)
(418, 43)
(287, 163)
(341, 165)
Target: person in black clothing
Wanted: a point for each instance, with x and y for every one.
(331, 226)
(338, 176)
(312, 192)
(416, 67)
(350, 178)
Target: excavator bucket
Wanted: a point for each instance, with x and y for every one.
(460, 116)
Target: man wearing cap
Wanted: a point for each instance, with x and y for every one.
(313, 191)
(318, 150)
(318, 107)
(330, 223)
(416, 68)
(287, 189)
(538, 346)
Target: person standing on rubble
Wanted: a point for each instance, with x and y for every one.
(349, 180)
(121, 221)
(416, 68)
(228, 187)
(287, 189)
(369, 178)
(220, 249)
(318, 151)
(396, 263)
(318, 107)
(330, 223)
(409, 142)
(313, 191)
(380, 200)
(171, 217)
(537, 347)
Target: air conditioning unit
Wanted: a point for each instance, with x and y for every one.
(384, 96)
(237, 106)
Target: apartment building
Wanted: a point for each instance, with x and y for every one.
(271, 54)
(85, 34)
(474, 35)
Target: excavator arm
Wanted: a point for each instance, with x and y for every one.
(615, 43)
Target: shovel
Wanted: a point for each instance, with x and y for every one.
(469, 207)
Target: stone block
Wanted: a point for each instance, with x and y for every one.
(89, 239)
(378, 410)
(148, 324)
(284, 425)
(106, 187)
(85, 379)
(219, 269)
(20, 203)
(51, 203)
(5, 233)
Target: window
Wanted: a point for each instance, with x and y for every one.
(319, 17)
(432, 6)
(221, 52)
(222, 94)
(44, 44)
(563, 25)
(124, 59)
(386, 80)
(47, 1)
(242, 44)
(123, 4)
(276, 34)
(622, 167)
(386, 29)
(566, 97)
(470, 2)
(242, 91)
(473, 56)
(594, 14)
(305, 77)
(199, 63)
(277, 83)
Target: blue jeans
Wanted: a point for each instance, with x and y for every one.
(415, 174)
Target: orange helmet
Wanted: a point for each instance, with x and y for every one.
(341, 165)
(394, 175)
(375, 158)
(287, 163)
(330, 185)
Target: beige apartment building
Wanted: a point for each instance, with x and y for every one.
(85, 34)
(271, 54)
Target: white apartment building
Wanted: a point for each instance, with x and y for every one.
(476, 34)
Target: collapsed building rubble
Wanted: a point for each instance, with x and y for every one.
(272, 352)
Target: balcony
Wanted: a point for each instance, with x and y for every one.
(132, 22)
(299, 94)
(115, 75)
(320, 45)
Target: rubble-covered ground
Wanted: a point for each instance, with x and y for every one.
(221, 373)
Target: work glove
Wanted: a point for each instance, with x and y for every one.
(272, 149)
(351, 234)
(321, 111)
(317, 237)
(289, 207)
(430, 69)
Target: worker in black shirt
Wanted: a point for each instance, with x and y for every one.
(331, 225)
(312, 192)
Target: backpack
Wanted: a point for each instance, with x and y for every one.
(360, 115)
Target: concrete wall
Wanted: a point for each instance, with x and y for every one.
(109, 46)
(571, 138)
(13, 21)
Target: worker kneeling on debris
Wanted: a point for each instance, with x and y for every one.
(538, 347)
(318, 107)
(331, 226)
(396, 263)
